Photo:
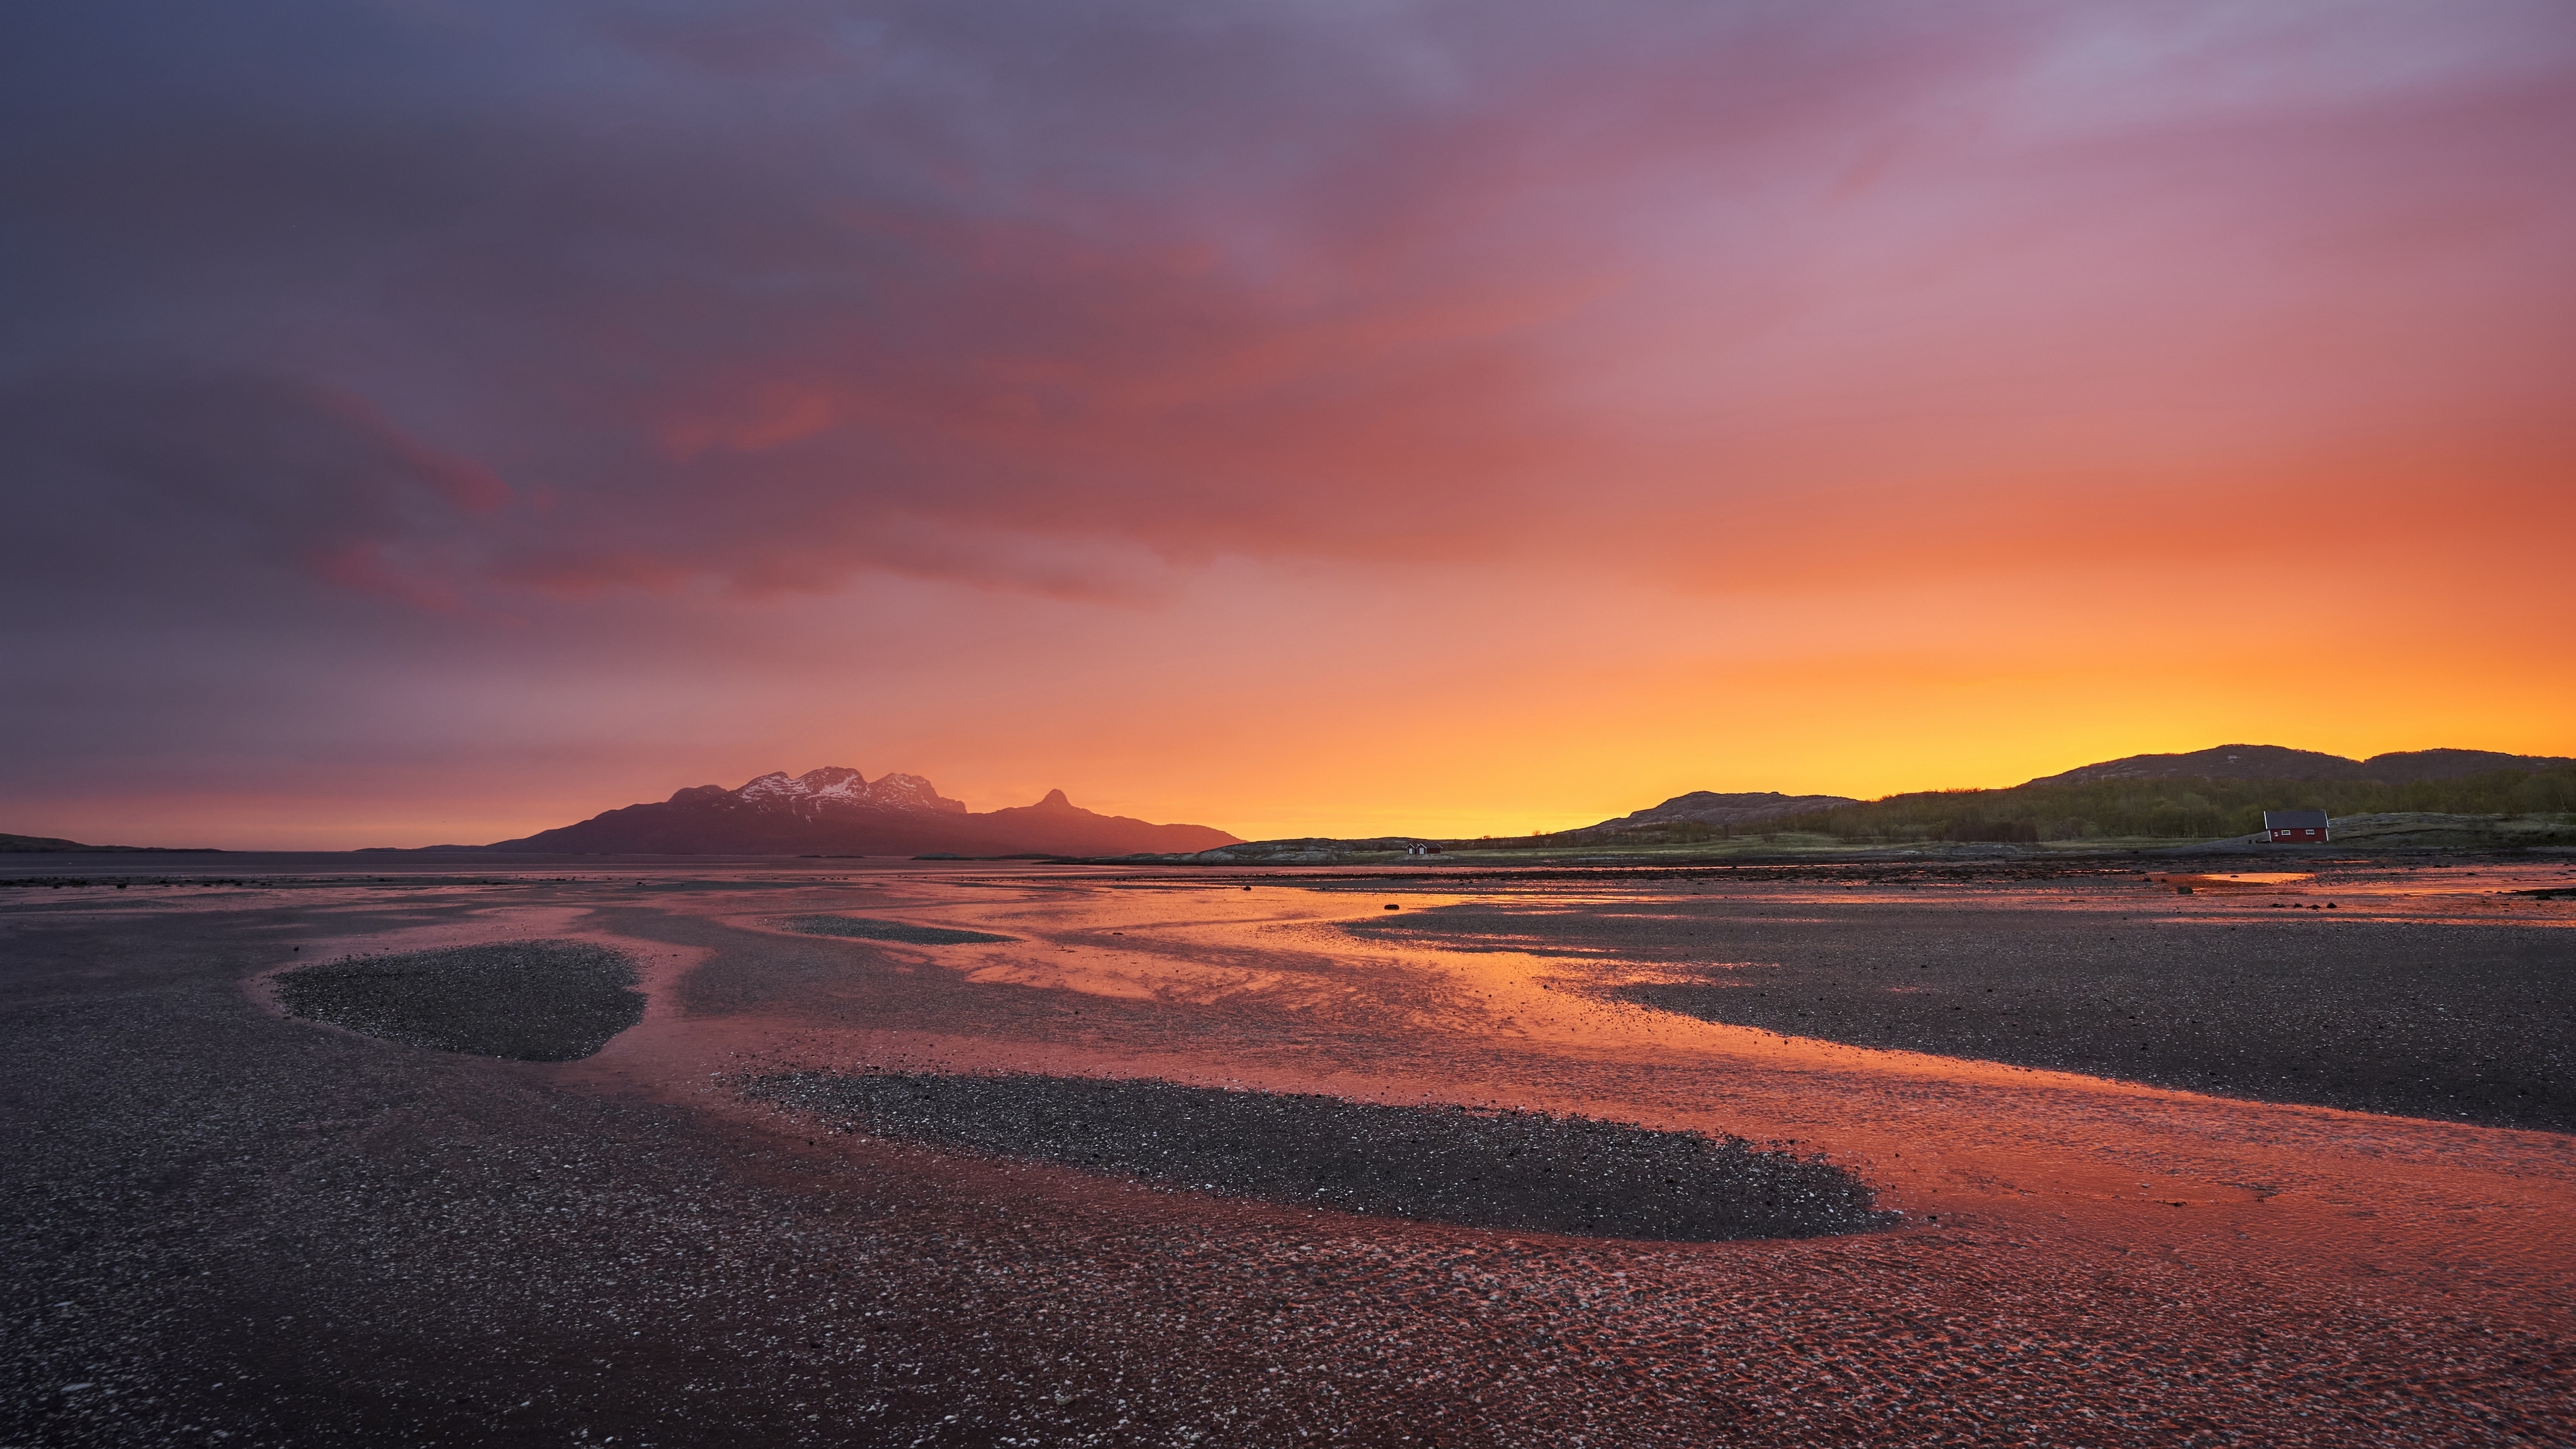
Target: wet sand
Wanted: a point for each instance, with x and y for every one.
(2242, 989)
(228, 1219)
(859, 928)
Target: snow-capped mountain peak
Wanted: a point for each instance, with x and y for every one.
(837, 787)
(835, 782)
(776, 785)
(911, 792)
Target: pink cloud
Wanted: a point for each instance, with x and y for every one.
(1174, 354)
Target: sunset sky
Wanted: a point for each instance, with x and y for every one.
(427, 421)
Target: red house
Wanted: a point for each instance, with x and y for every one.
(2296, 827)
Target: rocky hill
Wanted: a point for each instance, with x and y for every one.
(1727, 812)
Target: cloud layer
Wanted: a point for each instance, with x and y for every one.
(594, 348)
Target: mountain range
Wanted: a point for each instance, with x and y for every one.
(2273, 762)
(837, 811)
(53, 845)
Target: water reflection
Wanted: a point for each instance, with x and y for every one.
(2117, 1261)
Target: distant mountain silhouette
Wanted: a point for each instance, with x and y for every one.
(2274, 762)
(1950, 813)
(1707, 807)
(837, 811)
(49, 845)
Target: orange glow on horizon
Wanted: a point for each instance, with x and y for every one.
(1343, 422)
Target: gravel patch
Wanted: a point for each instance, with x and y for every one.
(532, 1001)
(863, 929)
(1487, 1169)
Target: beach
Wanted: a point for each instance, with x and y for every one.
(239, 1225)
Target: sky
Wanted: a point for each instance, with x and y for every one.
(428, 420)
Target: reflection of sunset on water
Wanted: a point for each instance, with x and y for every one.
(2228, 1211)
(2246, 1257)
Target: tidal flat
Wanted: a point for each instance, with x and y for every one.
(1090, 1155)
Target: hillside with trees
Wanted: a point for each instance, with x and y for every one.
(2184, 808)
